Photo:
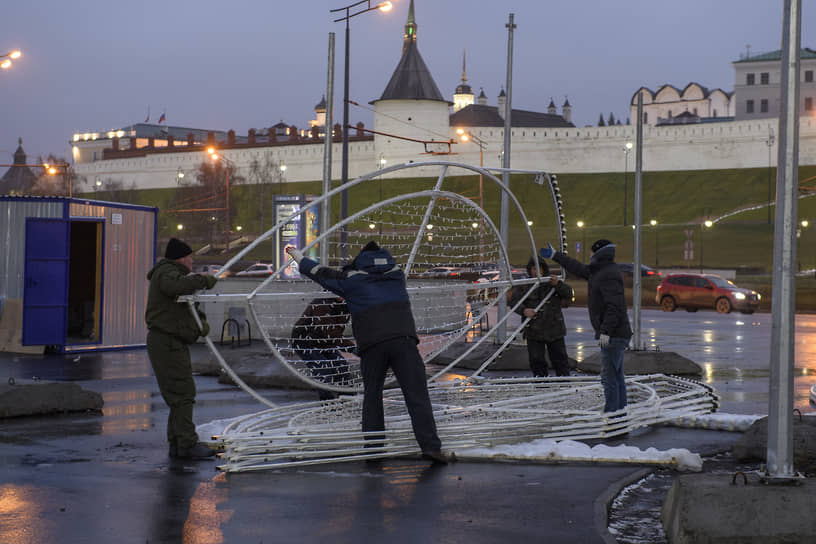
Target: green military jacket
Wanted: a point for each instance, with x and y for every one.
(548, 324)
(168, 281)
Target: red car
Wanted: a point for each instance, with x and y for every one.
(695, 291)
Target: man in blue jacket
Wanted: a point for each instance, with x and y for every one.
(607, 313)
(382, 323)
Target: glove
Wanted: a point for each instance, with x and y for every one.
(211, 280)
(295, 253)
(604, 340)
(546, 252)
(205, 328)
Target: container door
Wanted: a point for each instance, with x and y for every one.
(45, 293)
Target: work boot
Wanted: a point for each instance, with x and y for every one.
(199, 451)
(436, 456)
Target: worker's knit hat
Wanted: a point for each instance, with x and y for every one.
(176, 249)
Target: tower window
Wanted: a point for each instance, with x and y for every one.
(763, 105)
(764, 79)
(749, 106)
(750, 79)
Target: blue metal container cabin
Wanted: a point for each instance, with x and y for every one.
(74, 273)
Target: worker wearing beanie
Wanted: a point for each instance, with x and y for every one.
(607, 313)
(382, 323)
(170, 329)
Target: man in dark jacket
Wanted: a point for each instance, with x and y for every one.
(382, 322)
(607, 313)
(170, 329)
(546, 330)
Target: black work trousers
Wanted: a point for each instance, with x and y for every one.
(170, 359)
(538, 351)
(401, 355)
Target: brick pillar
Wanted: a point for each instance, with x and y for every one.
(133, 142)
(190, 138)
(151, 142)
(273, 135)
(315, 132)
(230, 137)
(251, 136)
(211, 138)
(337, 133)
(293, 134)
(115, 143)
(360, 127)
(171, 142)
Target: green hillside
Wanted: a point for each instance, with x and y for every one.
(679, 201)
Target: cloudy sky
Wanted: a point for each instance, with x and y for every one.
(98, 65)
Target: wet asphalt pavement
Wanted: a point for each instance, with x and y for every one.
(94, 478)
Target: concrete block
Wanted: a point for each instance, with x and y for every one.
(37, 398)
(710, 509)
(647, 362)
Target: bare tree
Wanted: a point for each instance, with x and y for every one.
(264, 173)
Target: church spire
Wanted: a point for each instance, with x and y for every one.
(410, 28)
(464, 72)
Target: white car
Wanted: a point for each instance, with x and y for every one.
(257, 270)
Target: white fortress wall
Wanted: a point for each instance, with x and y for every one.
(734, 144)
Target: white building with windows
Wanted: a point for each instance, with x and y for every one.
(668, 103)
(757, 85)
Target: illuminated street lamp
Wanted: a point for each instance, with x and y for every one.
(626, 149)
(5, 60)
(653, 222)
(580, 225)
(363, 6)
(216, 157)
(467, 136)
(802, 226)
(707, 224)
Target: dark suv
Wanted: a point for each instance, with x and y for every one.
(695, 291)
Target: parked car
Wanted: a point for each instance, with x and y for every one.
(443, 272)
(645, 272)
(695, 291)
(257, 270)
(213, 269)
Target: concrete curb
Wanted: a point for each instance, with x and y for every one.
(604, 502)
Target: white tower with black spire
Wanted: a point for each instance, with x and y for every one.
(411, 105)
(463, 96)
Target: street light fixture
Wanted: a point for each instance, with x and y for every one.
(707, 224)
(363, 6)
(216, 157)
(5, 60)
(653, 222)
(626, 149)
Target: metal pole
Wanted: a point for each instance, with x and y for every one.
(625, 183)
(501, 332)
(636, 290)
(783, 312)
(328, 140)
(226, 231)
(344, 168)
(770, 171)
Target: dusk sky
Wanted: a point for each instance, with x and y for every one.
(93, 66)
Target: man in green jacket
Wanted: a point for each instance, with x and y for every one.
(170, 329)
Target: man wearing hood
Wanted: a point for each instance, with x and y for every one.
(382, 323)
(170, 329)
(607, 313)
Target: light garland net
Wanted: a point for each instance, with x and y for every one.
(306, 329)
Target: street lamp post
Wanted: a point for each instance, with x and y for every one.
(465, 136)
(626, 149)
(705, 225)
(5, 60)
(380, 166)
(363, 6)
(216, 157)
(802, 226)
(770, 143)
(657, 248)
(580, 225)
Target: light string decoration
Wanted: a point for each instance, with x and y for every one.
(425, 230)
